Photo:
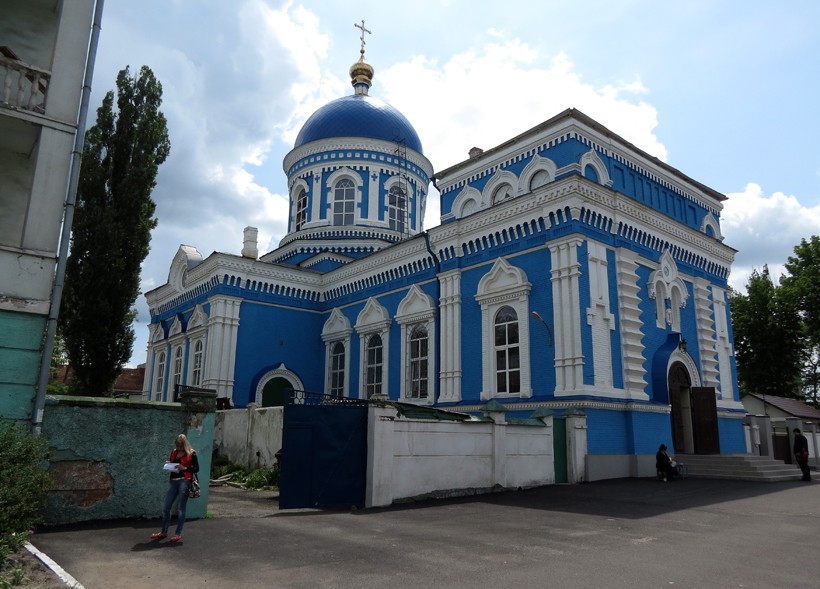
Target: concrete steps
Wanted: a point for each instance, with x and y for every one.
(739, 467)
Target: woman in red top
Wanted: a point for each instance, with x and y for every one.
(184, 457)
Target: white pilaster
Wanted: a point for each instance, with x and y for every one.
(450, 308)
(629, 301)
(220, 357)
(569, 360)
(599, 316)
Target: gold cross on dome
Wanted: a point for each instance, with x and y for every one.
(364, 30)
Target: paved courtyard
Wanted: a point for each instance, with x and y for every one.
(622, 533)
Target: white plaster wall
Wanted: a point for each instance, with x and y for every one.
(241, 433)
(408, 458)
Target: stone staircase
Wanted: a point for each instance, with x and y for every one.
(739, 467)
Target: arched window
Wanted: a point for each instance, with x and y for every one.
(397, 209)
(337, 370)
(507, 352)
(344, 201)
(196, 375)
(417, 387)
(373, 366)
(160, 376)
(301, 210)
(501, 193)
(178, 365)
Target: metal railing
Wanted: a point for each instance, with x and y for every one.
(297, 397)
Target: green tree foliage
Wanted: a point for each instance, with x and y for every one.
(767, 333)
(112, 230)
(803, 286)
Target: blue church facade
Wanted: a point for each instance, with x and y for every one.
(570, 271)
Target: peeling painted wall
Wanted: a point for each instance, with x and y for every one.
(106, 455)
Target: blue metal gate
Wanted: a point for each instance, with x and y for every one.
(324, 452)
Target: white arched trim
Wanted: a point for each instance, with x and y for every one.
(198, 318)
(591, 158)
(373, 320)
(537, 164)
(492, 190)
(345, 173)
(468, 201)
(504, 285)
(337, 330)
(280, 371)
(185, 259)
(687, 360)
(417, 308)
(710, 222)
(666, 284)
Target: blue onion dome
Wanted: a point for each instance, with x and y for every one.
(359, 115)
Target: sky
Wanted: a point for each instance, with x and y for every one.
(723, 90)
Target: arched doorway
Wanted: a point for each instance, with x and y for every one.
(694, 414)
(271, 391)
(274, 393)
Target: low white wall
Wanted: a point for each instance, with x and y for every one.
(412, 458)
(249, 436)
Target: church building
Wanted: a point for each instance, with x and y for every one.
(571, 271)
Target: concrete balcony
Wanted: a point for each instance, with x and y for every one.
(24, 86)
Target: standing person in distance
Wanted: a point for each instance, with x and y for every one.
(801, 453)
(182, 464)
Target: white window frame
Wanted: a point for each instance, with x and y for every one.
(373, 320)
(159, 381)
(374, 365)
(337, 330)
(179, 363)
(415, 373)
(398, 218)
(197, 362)
(334, 370)
(417, 308)
(301, 209)
(504, 286)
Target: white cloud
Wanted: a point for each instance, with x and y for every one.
(764, 229)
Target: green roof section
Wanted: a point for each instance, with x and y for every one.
(410, 411)
(543, 412)
(493, 406)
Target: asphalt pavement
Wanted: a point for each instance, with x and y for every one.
(634, 533)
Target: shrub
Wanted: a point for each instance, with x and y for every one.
(23, 482)
(261, 477)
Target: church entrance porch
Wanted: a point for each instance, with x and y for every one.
(694, 414)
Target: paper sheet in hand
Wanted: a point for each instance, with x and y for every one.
(170, 466)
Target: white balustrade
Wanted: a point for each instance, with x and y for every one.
(24, 86)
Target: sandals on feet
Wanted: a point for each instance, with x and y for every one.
(158, 535)
(176, 538)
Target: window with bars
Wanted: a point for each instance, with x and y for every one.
(344, 201)
(337, 370)
(507, 350)
(373, 366)
(417, 388)
(397, 209)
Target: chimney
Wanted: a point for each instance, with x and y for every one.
(249, 248)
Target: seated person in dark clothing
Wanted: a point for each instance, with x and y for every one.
(664, 464)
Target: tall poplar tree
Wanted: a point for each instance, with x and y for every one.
(112, 230)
